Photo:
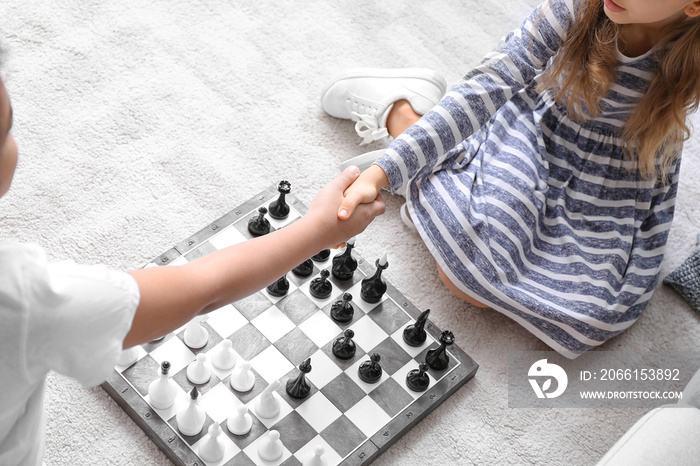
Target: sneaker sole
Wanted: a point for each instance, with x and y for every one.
(425, 74)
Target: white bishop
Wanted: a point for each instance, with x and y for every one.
(191, 419)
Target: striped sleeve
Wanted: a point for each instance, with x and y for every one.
(650, 238)
(519, 57)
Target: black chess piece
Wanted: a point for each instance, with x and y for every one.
(165, 367)
(370, 371)
(280, 287)
(322, 256)
(304, 269)
(417, 379)
(298, 387)
(259, 226)
(344, 265)
(342, 310)
(321, 287)
(414, 334)
(373, 288)
(438, 358)
(279, 210)
(343, 346)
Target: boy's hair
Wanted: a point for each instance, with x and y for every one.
(587, 64)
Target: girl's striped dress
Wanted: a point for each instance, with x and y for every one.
(526, 210)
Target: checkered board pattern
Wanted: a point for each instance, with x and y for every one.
(353, 421)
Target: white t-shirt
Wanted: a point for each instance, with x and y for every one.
(64, 317)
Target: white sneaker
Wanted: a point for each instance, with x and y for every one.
(367, 95)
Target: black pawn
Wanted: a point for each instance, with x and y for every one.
(322, 256)
(279, 209)
(165, 367)
(259, 226)
(414, 334)
(344, 265)
(373, 288)
(370, 371)
(298, 387)
(417, 379)
(280, 287)
(304, 269)
(438, 358)
(344, 347)
(321, 287)
(342, 310)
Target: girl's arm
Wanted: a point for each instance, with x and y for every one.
(519, 57)
(171, 296)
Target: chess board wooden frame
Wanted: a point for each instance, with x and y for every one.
(169, 441)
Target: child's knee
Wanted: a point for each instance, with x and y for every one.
(456, 291)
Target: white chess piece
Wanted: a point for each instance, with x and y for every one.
(212, 447)
(315, 458)
(191, 419)
(270, 447)
(224, 358)
(163, 390)
(128, 356)
(242, 378)
(197, 372)
(195, 335)
(268, 406)
(240, 422)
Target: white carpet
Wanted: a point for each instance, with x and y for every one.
(139, 122)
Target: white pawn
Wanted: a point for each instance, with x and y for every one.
(240, 422)
(242, 378)
(268, 406)
(195, 335)
(128, 356)
(212, 447)
(197, 372)
(315, 458)
(163, 390)
(224, 358)
(270, 447)
(191, 419)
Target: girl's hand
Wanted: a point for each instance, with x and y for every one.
(322, 219)
(365, 190)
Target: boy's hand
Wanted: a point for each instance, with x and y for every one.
(323, 210)
(363, 191)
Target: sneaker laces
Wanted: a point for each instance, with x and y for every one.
(367, 127)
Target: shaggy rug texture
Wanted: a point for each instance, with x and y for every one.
(138, 123)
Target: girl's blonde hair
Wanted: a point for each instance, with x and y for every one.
(586, 66)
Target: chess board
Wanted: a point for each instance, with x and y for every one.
(354, 421)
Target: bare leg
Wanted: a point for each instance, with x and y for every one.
(456, 291)
(400, 118)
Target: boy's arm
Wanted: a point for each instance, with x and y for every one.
(171, 296)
